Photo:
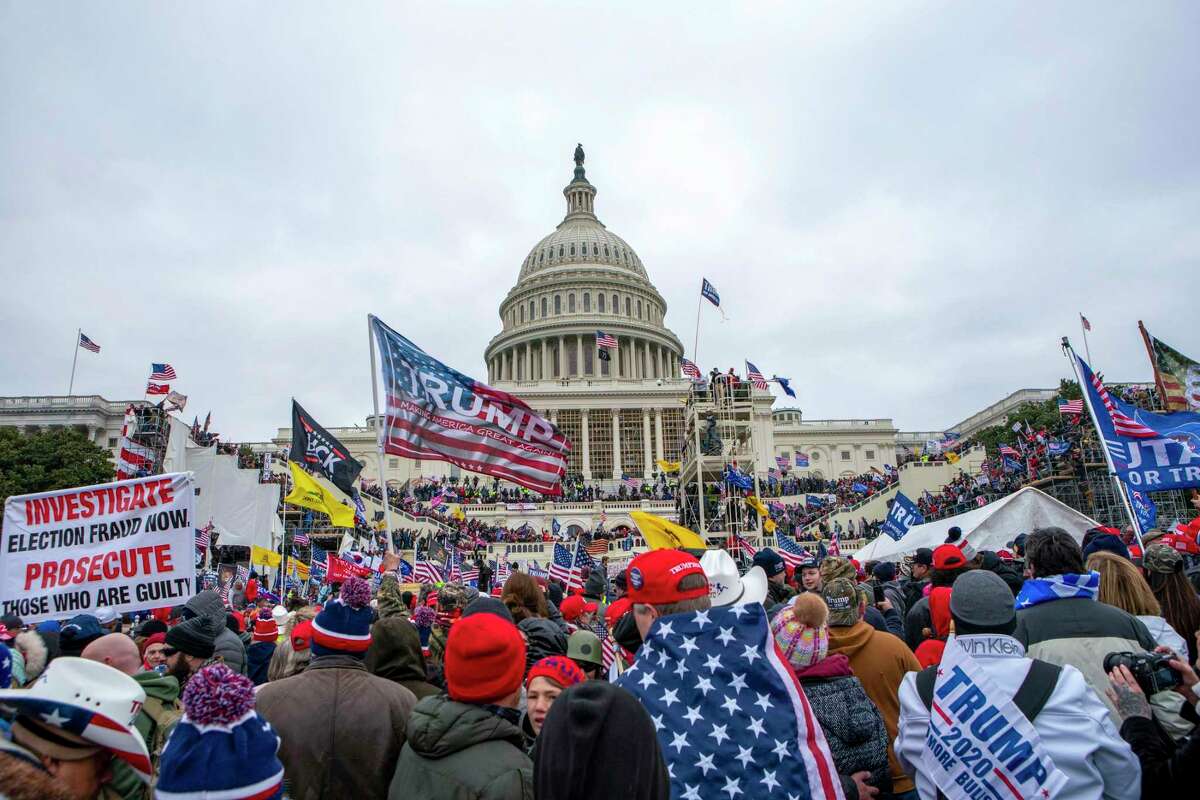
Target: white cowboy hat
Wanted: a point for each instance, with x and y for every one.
(726, 587)
(91, 701)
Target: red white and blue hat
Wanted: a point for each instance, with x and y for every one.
(91, 701)
(222, 749)
(344, 626)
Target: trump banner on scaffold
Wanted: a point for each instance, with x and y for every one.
(126, 546)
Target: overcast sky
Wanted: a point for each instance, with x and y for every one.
(903, 205)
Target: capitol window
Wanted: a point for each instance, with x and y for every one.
(816, 456)
(600, 302)
(639, 309)
(870, 455)
(572, 248)
(560, 251)
(595, 249)
(531, 310)
(557, 304)
(606, 251)
(541, 256)
(543, 306)
(522, 313)
(845, 455)
(587, 301)
(570, 304)
(616, 307)
(628, 307)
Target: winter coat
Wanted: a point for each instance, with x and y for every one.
(1169, 769)
(1073, 725)
(1081, 632)
(154, 721)
(395, 654)
(1164, 634)
(596, 585)
(880, 661)
(542, 638)
(457, 751)
(853, 726)
(888, 621)
(341, 728)
(913, 591)
(22, 777)
(916, 621)
(258, 659)
(778, 593)
(895, 595)
(229, 647)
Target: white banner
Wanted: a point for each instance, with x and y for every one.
(979, 743)
(127, 546)
(521, 506)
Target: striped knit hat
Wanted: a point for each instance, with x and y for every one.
(265, 629)
(801, 630)
(344, 626)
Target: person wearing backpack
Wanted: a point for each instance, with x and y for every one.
(1074, 726)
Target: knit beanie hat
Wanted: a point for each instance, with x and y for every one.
(222, 747)
(484, 660)
(265, 627)
(1106, 543)
(344, 626)
(192, 637)
(801, 630)
(559, 669)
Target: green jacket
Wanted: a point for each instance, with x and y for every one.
(154, 722)
(457, 751)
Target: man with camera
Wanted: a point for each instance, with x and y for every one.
(1169, 768)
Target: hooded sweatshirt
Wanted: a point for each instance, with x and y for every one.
(880, 661)
(599, 743)
(395, 654)
(229, 647)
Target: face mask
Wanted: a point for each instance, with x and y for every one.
(625, 633)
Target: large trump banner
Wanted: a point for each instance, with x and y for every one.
(127, 546)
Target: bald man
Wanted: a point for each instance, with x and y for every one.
(156, 718)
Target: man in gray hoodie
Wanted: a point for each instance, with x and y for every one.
(229, 647)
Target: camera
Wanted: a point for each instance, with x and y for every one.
(1150, 670)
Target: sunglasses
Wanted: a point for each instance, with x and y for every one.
(169, 651)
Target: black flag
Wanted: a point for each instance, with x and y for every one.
(316, 449)
(603, 355)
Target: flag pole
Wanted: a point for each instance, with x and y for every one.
(74, 361)
(696, 340)
(1086, 349)
(1158, 381)
(1118, 485)
(387, 505)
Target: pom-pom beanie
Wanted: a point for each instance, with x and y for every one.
(344, 626)
(801, 630)
(265, 628)
(559, 669)
(484, 660)
(222, 747)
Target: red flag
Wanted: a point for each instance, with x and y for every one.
(158, 388)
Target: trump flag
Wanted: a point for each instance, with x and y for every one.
(435, 412)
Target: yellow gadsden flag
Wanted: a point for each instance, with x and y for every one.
(662, 534)
(669, 466)
(299, 569)
(757, 505)
(458, 514)
(264, 557)
(769, 525)
(952, 457)
(307, 493)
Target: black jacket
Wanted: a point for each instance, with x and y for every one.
(395, 654)
(1168, 769)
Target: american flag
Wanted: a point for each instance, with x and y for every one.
(1070, 406)
(203, 536)
(690, 370)
(606, 340)
(756, 377)
(690, 674)
(1123, 424)
(597, 547)
(466, 423)
(425, 571)
(632, 483)
(158, 388)
(782, 461)
(133, 459)
(801, 460)
(501, 569)
(300, 539)
(1005, 450)
(162, 372)
(88, 344)
(1087, 326)
(319, 559)
(790, 551)
(835, 546)
(745, 546)
(608, 649)
(568, 569)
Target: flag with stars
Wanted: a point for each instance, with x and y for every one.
(730, 715)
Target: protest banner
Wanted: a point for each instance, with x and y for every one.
(339, 569)
(979, 743)
(126, 546)
(901, 516)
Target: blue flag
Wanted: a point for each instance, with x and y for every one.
(1144, 509)
(1057, 448)
(690, 676)
(710, 292)
(902, 516)
(1013, 465)
(814, 500)
(1148, 451)
(555, 527)
(406, 570)
(736, 478)
(859, 487)
(784, 383)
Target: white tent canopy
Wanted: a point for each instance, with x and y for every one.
(989, 527)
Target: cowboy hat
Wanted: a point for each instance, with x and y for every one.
(726, 587)
(91, 701)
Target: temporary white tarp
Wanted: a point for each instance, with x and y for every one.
(241, 510)
(990, 527)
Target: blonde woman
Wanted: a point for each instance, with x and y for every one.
(287, 659)
(1122, 585)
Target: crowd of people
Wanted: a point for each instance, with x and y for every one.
(527, 689)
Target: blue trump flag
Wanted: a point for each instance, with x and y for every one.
(738, 479)
(1148, 451)
(784, 383)
(859, 487)
(1144, 509)
(729, 714)
(710, 292)
(902, 516)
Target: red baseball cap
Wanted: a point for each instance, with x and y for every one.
(948, 556)
(615, 610)
(575, 605)
(653, 578)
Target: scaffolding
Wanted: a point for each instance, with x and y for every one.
(719, 433)
(150, 431)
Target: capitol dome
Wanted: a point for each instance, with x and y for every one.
(580, 279)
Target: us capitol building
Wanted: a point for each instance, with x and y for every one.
(621, 415)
